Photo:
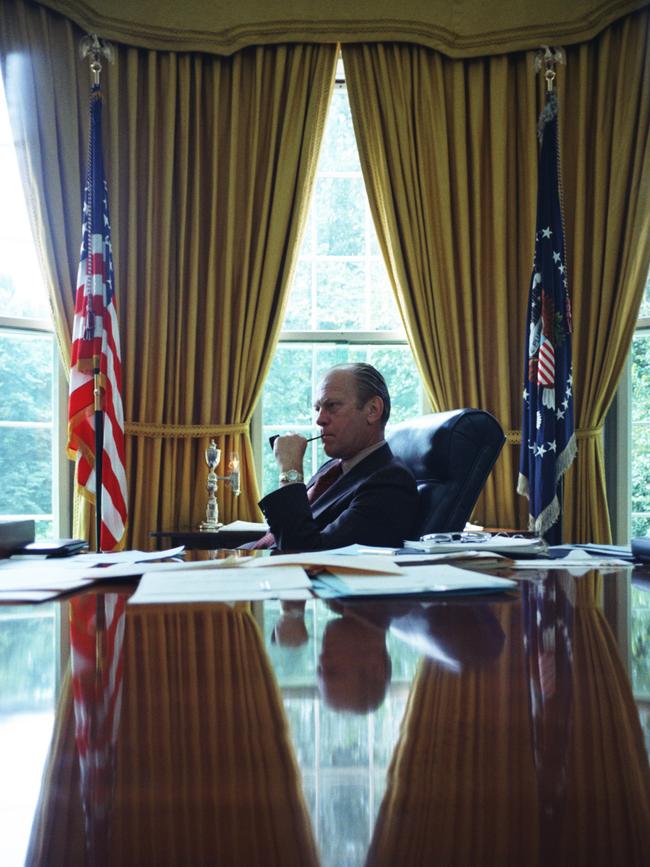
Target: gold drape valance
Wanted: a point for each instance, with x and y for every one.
(464, 28)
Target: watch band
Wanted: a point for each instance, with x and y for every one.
(291, 476)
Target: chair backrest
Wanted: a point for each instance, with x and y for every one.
(451, 455)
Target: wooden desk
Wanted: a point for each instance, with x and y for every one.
(504, 733)
(199, 540)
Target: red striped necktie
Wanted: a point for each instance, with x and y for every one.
(322, 483)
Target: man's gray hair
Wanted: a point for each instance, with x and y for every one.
(370, 383)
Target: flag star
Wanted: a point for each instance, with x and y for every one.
(569, 392)
(525, 394)
(561, 269)
(541, 451)
(546, 233)
(559, 413)
(552, 446)
(565, 404)
(556, 257)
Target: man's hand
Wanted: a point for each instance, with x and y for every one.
(289, 451)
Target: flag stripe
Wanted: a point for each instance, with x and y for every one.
(96, 347)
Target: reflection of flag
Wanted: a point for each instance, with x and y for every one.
(547, 439)
(548, 639)
(96, 347)
(96, 643)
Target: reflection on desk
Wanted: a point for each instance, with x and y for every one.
(505, 732)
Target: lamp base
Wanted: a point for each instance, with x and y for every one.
(210, 526)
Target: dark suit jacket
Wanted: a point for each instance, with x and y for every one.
(374, 504)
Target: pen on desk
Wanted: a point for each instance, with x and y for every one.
(309, 439)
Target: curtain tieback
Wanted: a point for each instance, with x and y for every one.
(179, 431)
(585, 433)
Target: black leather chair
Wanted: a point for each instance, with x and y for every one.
(451, 455)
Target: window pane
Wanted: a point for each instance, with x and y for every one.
(298, 314)
(26, 471)
(22, 291)
(644, 312)
(340, 210)
(25, 376)
(340, 296)
(640, 450)
(339, 150)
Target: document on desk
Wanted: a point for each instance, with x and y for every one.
(122, 557)
(576, 562)
(21, 580)
(439, 578)
(221, 585)
(315, 560)
(511, 546)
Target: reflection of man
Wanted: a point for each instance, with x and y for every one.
(290, 629)
(354, 667)
(363, 494)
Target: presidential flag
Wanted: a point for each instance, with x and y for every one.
(548, 444)
(96, 356)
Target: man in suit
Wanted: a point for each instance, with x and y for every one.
(363, 494)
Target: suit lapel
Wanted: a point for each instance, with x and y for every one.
(349, 482)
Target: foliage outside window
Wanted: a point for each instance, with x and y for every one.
(341, 306)
(640, 445)
(640, 505)
(27, 358)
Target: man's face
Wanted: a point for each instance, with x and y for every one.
(346, 428)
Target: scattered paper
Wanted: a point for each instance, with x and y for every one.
(417, 579)
(221, 585)
(99, 559)
(327, 560)
(577, 562)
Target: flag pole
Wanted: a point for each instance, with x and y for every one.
(548, 445)
(91, 47)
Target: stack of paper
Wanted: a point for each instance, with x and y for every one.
(511, 546)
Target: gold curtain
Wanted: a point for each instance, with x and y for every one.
(449, 154)
(209, 162)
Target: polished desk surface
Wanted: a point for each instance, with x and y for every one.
(497, 730)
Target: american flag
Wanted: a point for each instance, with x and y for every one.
(97, 666)
(548, 444)
(96, 347)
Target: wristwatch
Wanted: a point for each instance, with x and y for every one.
(291, 476)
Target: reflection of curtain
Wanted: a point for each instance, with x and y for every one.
(205, 770)
(608, 792)
(206, 773)
(461, 784)
(209, 162)
(448, 151)
(478, 778)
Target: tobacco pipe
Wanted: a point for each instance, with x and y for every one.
(309, 439)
